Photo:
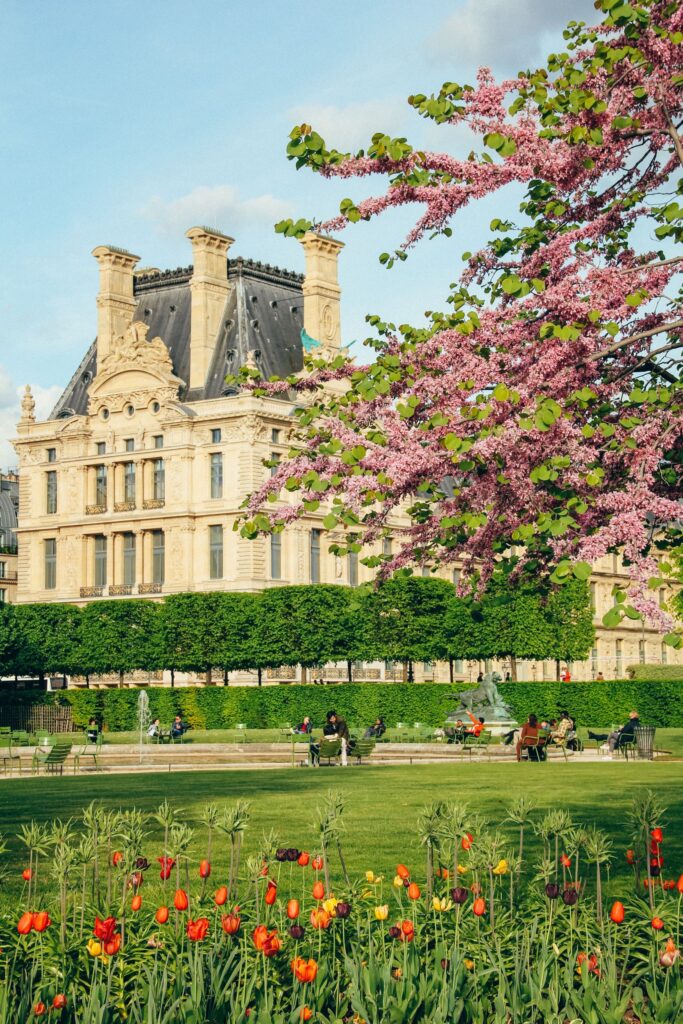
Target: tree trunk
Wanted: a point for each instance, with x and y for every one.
(120, 679)
(225, 677)
(557, 670)
(450, 670)
(349, 671)
(207, 677)
(405, 671)
(172, 677)
(260, 677)
(513, 668)
(304, 676)
(87, 680)
(411, 674)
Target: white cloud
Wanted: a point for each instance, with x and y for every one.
(352, 126)
(506, 35)
(220, 206)
(10, 410)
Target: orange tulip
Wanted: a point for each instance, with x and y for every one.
(402, 871)
(27, 874)
(320, 918)
(479, 906)
(221, 897)
(25, 923)
(104, 929)
(292, 909)
(305, 1013)
(657, 924)
(630, 856)
(230, 924)
(196, 930)
(318, 891)
(414, 891)
(161, 915)
(271, 894)
(116, 858)
(112, 947)
(267, 942)
(305, 970)
(466, 841)
(617, 913)
(317, 863)
(657, 835)
(565, 861)
(180, 900)
(304, 859)
(679, 884)
(41, 920)
(39, 1010)
(59, 1002)
(407, 931)
(136, 903)
(204, 869)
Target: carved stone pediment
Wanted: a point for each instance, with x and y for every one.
(134, 369)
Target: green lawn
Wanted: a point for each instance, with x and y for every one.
(382, 804)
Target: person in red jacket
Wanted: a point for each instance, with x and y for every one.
(477, 726)
(566, 676)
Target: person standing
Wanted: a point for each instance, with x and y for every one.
(341, 730)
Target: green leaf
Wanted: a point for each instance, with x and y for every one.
(582, 570)
(612, 618)
(330, 521)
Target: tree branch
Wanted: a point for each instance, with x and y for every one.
(652, 266)
(678, 145)
(675, 325)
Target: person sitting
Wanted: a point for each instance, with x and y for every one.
(93, 731)
(529, 730)
(599, 678)
(154, 730)
(477, 726)
(341, 730)
(304, 728)
(626, 734)
(559, 730)
(178, 728)
(455, 733)
(375, 731)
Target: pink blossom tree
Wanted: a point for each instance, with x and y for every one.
(539, 419)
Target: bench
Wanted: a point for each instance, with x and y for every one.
(52, 759)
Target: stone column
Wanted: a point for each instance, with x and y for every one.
(139, 538)
(110, 559)
(117, 577)
(321, 291)
(147, 556)
(208, 290)
(115, 301)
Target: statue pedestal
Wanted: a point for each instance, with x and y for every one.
(501, 726)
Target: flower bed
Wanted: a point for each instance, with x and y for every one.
(477, 933)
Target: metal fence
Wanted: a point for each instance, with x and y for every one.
(33, 717)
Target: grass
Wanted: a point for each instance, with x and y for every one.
(382, 804)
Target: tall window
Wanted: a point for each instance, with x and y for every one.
(315, 556)
(274, 457)
(386, 547)
(100, 485)
(665, 654)
(594, 661)
(51, 504)
(459, 667)
(618, 645)
(129, 559)
(101, 448)
(275, 434)
(216, 552)
(615, 563)
(158, 556)
(425, 570)
(100, 567)
(159, 480)
(216, 475)
(641, 652)
(353, 568)
(3, 595)
(3, 570)
(662, 597)
(50, 563)
(216, 435)
(129, 481)
(158, 440)
(52, 455)
(130, 444)
(456, 577)
(276, 556)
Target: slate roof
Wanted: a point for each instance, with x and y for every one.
(9, 505)
(263, 313)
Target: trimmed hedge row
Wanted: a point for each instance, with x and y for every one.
(654, 673)
(594, 704)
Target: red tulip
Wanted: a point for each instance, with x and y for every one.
(204, 869)
(41, 920)
(136, 903)
(39, 1010)
(104, 930)
(25, 923)
(27, 874)
(167, 864)
(565, 861)
(292, 909)
(59, 1002)
(116, 858)
(267, 942)
(221, 897)
(196, 930)
(180, 900)
(304, 859)
(407, 931)
(318, 891)
(657, 835)
(657, 924)
(479, 906)
(271, 894)
(402, 871)
(305, 1013)
(466, 841)
(617, 913)
(161, 915)
(317, 863)
(630, 856)
(414, 891)
(230, 924)
(679, 884)
(113, 946)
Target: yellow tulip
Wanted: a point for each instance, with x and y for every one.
(95, 947)
(501, 868)
(381, 913)
(462, 870)
(370, 876)
(469, 964)
(398, 881)
(330, 905)
(441, 904)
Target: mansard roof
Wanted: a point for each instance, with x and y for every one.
(263, 314)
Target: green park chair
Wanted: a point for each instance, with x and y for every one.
(20, 738)
(52, 758)
(628, 749)
(535, 746)
(362, 749)
(330, 750)
(10, 759)
(89, 749)
(478, 744)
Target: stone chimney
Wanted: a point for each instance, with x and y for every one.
(322, 293)
(208, 289)
(115, 301)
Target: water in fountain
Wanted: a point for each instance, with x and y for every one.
(144, 718)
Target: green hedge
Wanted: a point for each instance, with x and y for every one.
(655, 673)
(594, 704)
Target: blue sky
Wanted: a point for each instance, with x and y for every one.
(128, 122)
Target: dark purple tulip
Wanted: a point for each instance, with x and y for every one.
(281, 855)
(552, 890)
(655, 870)
(297, 931)
(570, 897)
(292, 854)
(445, 964)
(142, 863)
(394, 932)
(406, 883)
(459, 895)
(342, 910)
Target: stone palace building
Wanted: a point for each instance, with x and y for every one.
(133, 484)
